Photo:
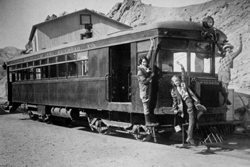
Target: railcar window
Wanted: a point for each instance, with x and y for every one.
(37, 63)
(16, 76)
(52, 60)
(38, 73)
(82, 68)
(200, 63)
(28, 74)
(45, 72)
(180, 57)
(11, 74)
(30, 64)
(71, 56)
(53, 71)
(24, 75)
(13, 67)
(44, 61)
(31, 73)
(166, 59)
(61, 58)
(24, 65)
(86, 69)
(72, 69)
(19, 73)
(62, 70)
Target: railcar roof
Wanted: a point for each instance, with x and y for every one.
(177, 25)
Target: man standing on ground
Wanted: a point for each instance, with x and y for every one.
(224, 69)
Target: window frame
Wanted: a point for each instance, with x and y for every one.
(189, 51)
(84, 15)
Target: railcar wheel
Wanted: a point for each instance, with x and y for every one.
(102, 127)
(32, 116)
(141, 132)
(47, 119)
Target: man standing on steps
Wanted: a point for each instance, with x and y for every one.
(224, 69)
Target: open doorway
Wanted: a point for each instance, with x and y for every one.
(120, 75)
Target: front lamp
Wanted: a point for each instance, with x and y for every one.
(208, 22)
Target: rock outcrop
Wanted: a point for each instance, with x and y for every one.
(6, 54)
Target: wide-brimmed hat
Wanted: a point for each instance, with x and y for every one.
(228, 45)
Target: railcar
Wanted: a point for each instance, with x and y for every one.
(96, 78)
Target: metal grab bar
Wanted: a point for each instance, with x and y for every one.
(106, 87)
(129, 85)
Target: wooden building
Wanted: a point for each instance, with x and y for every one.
(71, 27)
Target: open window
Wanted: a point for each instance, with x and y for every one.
(200, 63)
(82, 64)
(195, 56)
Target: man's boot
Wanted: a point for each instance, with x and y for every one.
(148, 121)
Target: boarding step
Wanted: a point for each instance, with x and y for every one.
(124, 125)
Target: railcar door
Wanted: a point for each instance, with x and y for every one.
(119, 73)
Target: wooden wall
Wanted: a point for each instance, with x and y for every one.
(68, 29)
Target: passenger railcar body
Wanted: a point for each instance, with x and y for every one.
(97, 76)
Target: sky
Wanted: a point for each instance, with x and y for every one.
(18, 16)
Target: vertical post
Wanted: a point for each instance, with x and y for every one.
(230, 108)
(183, 134)
(154, 136)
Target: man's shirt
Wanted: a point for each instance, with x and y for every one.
(183, 91)
(225, 62)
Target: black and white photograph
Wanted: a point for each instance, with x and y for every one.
(124, 83)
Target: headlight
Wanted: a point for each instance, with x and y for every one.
(208, 22)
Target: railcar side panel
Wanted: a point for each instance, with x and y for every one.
(30, 90)
(136, 101)
(16, 92)
(98, 62)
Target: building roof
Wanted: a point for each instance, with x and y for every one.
(34, 27)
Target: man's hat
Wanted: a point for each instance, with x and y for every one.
(228, 45)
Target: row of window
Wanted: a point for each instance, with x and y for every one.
(52, 60)
(70, 69)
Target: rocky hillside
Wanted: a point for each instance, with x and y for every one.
(6, 54)
(231, 16)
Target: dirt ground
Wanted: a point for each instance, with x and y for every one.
(29, 143)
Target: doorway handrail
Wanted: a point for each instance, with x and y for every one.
(106, 87)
